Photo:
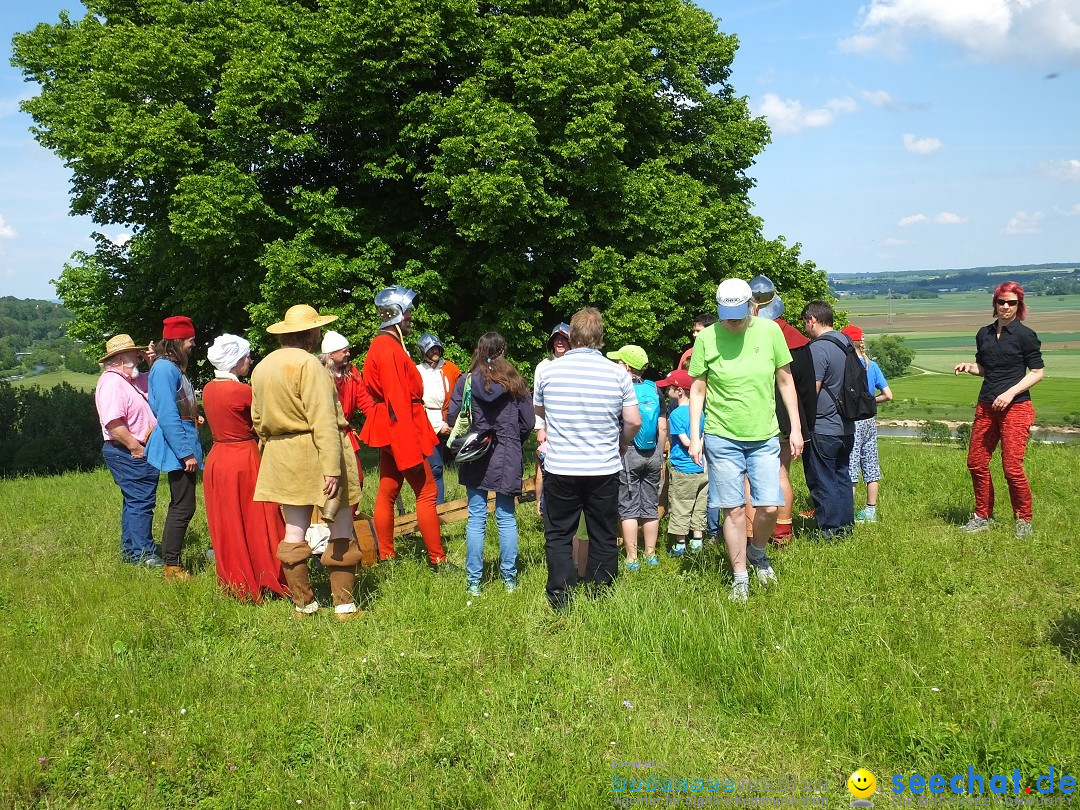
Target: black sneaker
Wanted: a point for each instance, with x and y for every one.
(445, 567)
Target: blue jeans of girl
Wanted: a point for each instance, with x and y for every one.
(506, 522)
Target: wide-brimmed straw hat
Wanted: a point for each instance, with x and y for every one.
(300, 318)
(118, 344)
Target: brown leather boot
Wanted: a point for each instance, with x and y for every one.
(175, 572)
(293, 558)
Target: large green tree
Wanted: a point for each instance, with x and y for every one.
(512, 161)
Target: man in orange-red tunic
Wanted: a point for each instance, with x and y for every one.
(398, 425)
(351, 390)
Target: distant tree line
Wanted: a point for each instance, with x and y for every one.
(33, 336)
(1035, 279)
(47, 431)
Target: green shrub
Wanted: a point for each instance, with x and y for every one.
(934, 432)
(963, 434)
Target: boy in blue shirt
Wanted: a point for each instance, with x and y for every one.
(688, 487)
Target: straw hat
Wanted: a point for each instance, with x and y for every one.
(300, 318)
(118, 344)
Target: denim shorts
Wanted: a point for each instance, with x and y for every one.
(729, 462)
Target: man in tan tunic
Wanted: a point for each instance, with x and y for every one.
(307, 459)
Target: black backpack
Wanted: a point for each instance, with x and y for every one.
(855, 401)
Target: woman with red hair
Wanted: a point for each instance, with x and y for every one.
(1008, 356)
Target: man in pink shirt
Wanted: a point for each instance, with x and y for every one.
(126, 421)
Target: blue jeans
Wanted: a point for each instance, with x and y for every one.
(730, 462)
(138, 482)
(826, 465)
(436, 462)
(506, 520)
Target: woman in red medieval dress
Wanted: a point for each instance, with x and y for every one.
(244, 533)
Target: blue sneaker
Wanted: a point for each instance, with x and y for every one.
(677, 550)
(510, 585)
(695, 544)
(650, 559)
(473, 590)
(866, 515)
(633, 565)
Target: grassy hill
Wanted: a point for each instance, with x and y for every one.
(910, 648)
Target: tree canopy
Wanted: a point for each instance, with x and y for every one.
(511, 161)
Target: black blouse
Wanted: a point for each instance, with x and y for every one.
(1006, 359)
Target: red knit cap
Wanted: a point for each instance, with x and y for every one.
(178, 327)
(852, 331)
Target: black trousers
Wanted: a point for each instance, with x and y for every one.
(181, 511)
(566, 497)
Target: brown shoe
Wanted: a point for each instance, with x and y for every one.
(348, 617)
(177, 573)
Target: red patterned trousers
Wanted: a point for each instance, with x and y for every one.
(1011, 427)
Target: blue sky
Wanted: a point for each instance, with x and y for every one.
(907, 135)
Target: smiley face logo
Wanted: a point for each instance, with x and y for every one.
(862, 784)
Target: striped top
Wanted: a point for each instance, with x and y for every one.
(583, 396)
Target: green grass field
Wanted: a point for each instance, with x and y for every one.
(81, 382)
(910, 648)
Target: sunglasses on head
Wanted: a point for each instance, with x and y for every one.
(1007, 302)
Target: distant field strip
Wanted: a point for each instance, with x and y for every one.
(1054, 397)
(951, 302)
(1050, 340)
(1060, 363)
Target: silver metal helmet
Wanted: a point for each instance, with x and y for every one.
(427, 342)
(392, 302)
(767, 301)
(559, 329)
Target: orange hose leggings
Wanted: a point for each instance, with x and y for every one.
(423, 485)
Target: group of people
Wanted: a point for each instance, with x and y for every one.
(751, 395)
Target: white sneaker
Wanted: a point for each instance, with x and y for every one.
(740, 592)
(310, 609)
(762, 569)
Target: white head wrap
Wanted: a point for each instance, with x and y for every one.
(334, 342)
(226, 351)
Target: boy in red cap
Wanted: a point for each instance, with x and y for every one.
(688, 486)
(864, 455)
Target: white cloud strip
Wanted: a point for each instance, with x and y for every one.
(1024, 223)
(1042, 31)
(790, 116)
(1061, 169)
(921, 146)
(944, 218)
(6, 231)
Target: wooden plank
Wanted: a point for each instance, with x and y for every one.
(458, 510)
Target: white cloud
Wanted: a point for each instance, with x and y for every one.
(878, 98)
(1074, 211)
(1024, 223)
(921, 146)
(914, 219)
(791, 117)
(949, 218)
(120, 239)
(944, 218)
(1043, 31)
(6, 231)
(1061, 169)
